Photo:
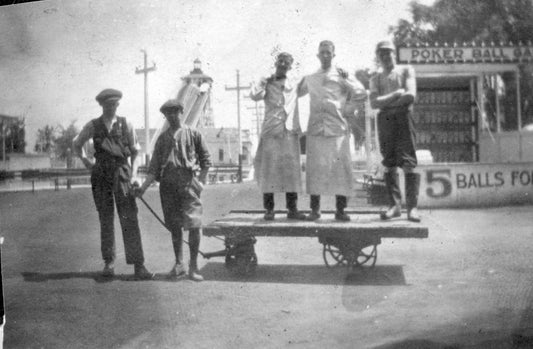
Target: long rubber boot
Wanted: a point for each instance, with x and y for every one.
(291, 200)
(412, 186)
(315, 208)
(392, 182)
(268, 204)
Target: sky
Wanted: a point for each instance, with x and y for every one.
(56, 56)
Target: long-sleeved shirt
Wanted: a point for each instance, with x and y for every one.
(184, 148)
(281, 106)
(333, 99)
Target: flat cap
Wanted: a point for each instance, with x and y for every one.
(385, 45)
(171, 104)
(108, 94)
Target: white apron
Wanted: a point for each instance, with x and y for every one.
(277, 164)
(329, 165)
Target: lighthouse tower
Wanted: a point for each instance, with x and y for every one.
(197, 77)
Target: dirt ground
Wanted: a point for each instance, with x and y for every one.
(468, 285)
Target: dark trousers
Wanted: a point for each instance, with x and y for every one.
(291, 200)
(397, 139)
(341, 202)
(106, 195)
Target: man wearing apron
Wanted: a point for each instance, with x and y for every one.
(393, 91)
(277, 161)
(333, 100)
(114, 144)
(178, 154)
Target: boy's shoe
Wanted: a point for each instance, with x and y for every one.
(109, 270)
(141, 273)
(177, 271)
(195, 276)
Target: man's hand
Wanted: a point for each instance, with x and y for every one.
(343, 73)
(203, 177)
(138, 191)
(263, 82)
(399, 92)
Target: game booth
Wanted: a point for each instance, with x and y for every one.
(471, 118)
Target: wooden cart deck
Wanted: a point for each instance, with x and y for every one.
(350, 244)
(362, 223)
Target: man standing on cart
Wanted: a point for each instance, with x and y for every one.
(333, 100)
(277, 163)
(393, 91)
(179, 153)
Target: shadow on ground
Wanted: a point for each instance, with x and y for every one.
(96, 276)
(383, 275)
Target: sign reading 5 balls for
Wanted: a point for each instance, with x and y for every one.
(475, 184)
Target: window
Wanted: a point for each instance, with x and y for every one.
(221, 155)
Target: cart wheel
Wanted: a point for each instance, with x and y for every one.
(333, 256)
(245, 264)
(367, 256)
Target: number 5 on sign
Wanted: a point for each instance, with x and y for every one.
(439, 184)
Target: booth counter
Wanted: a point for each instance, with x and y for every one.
(471, 116)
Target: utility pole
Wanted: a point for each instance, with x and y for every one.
(258, 117)
(238, 88)
(145, 71)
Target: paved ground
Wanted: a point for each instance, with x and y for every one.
(469, 285)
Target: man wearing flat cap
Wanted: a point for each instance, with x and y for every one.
(115, 151)
(277, 163)
(180, 162)
(393, 91)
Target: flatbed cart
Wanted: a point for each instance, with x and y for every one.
(350, 244)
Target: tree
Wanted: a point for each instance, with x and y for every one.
(12, 135)
(18, 135)
(460, 21)
(466, 21)
(46, 138)
(63, 142)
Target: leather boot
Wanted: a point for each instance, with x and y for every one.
(392, 182)
(315, 208)
(268, 204)
(340, 204)
(412, 186)
(292, 207)
(141, 273)
(109, 269)
(194, 247)
(177, 271)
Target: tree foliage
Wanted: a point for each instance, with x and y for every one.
(501, 22)
(14, 133)
(46, 138)
(63, 142)
(462, 21)
(56, 140)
